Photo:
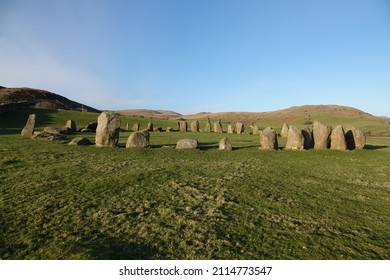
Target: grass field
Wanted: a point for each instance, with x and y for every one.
(70, 202)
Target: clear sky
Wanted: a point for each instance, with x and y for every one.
(200, 55)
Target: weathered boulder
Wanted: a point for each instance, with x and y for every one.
(225, 145)
(85, 130)
(218, 127)
(231, 128)
(284, 131)
(337, 139)
(295, 139)
(239, 128)
(269, 139)
(55, 130)
(321, 135)
(355, 138)
(92, 126)
(138, 139)
(28, 129)
(169, 129)
(81, 141)
(255, 129)
(208, 126)
(71, 126)
(183, 126)
(149, 127)
(48, 136)
(135, 127)
(187, 144)
(107, 131)
(308, 136)
(195, 126)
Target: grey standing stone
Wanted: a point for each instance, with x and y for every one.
(136, 127)
(239, 128)
(231, 128)
(321, 135)
(187, 144)
(218, 127)
(138, 139)
(255, 129)
(149, 127)
(337, 139)
(225, 145)
(284, 131)
(28, 129)
(355, 138)
(269, 139)
(208, 126)
(107, 131)
(195, 126)
(71, 126)
(295, 139)
(183, 126)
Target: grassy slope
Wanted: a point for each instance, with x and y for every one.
(170, 204)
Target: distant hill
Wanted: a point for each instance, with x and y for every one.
(153, 114)
(16, 98)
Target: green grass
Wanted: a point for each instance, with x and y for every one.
(69, 202)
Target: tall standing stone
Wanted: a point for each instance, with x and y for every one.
(255, 129)
(149, 127)
(295, 139)
(28, 129)
(269, 139)
(195, 126)
(127, 126)
(239, 128)
(208, 126)
(136, 127)
(337, 139)
(321, 135)
(355, 138)
(138, 139)
(218, 127)
(107, 131)
(231, 128)
(284, 131)
(225, 145)
(308, 136)
(183, 126)
(71, 126)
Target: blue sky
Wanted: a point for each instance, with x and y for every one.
(195, 55)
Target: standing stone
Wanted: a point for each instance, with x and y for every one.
(28, 129)
(321, 135)
(269, 139)
(284, 131)
(239, 128)
(337, 139)
(231, 128)
(71, 126)
(183, 126)
(355, 138)
(218, 127)
(295, 139)
(107, 131)
(149, 127)
(195, 126)
(255, 129)
(136, 127)
(187, 144)
(208, 126)
(138, 139)
(127, 126)
(225, 145)
(308, 136)
(92, 126)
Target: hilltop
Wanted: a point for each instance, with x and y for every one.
(16, 98)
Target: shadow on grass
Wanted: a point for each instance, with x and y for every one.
(372, 147)
(109, 248)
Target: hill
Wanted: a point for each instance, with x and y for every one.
(153, 114)
(16, 98)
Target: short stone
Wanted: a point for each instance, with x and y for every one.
(81, 141)
(187, 144)
(225, 145)
(139, 139)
